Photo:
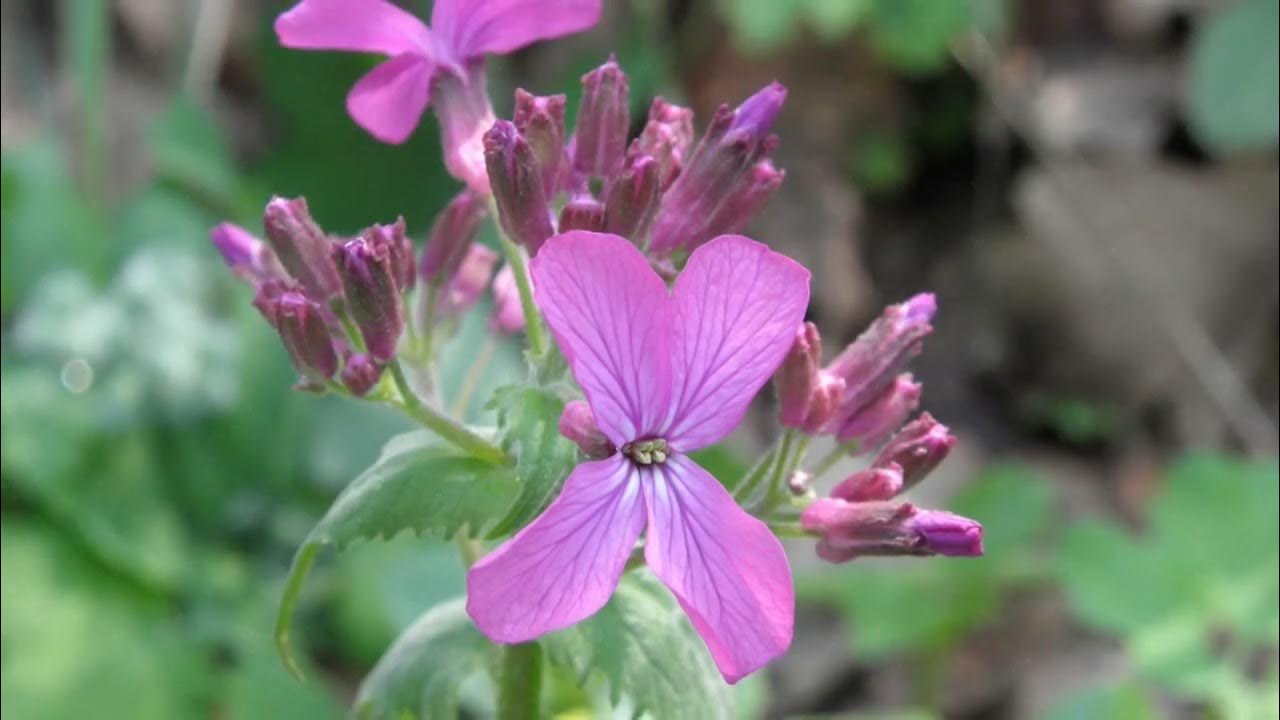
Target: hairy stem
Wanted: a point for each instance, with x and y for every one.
(520, 682)
(441, 425)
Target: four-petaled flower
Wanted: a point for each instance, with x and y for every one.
(665, 373)
(447, 59)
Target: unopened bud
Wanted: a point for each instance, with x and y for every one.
(579, 425)
(582, 212)
(469, 281)
(301, 326)
(508, 314)
(874, 483)
(799, 483)
(301, 246)
(246, 255)
(541, 121)
(516, 180)
(401, 249)
(632, 198)
(874, 423)
(851, 530)
(603, 119)
(718, 187)
(367, 268)
(667, 138)
(919, 447)
(361, 374)
(452, 233)
(872, 362)
(797, 376)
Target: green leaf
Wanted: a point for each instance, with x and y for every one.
(1112, 583)
(529, 425)
(723, 464)
(417, 484)
(189, 151)
(644, 647)
(760, 25)
(419, 675)
(1125, 702)
(1013, 505)
(915, 35)
(1233, 95)
(835, 19)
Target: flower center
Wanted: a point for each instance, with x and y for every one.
(647, 452)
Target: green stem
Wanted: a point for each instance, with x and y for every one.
(757, 472)
(348, 325)
(520, 682)
(780, 470)
(515, 258)
(292, 591)
(470, 550)
(829, 460)
(441, 425)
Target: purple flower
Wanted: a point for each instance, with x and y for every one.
(664, 373)
(301, 326)
(372, 279)
(361, 374)
(632, 198)
(874, 483)
(469, 281)
(541, 121)
(446, 60)
(582, 212)
(850, 530)
(880, 418)
(601, 137)
(579, 425)
(452, 233)
(518, 188)
(667, 138)
(301, 246)
(918, 448)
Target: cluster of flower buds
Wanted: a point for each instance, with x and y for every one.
(339, 304)
(864, 395)
(862, 517)
(659, 191)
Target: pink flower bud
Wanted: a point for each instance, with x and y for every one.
(508, 315)
(247, 256)
(368, 270)
(872, 362)
(918, 448)
(516, 180)
(541, 121)
(582, 212)
(579, 425)
(667, 138)
(361, 374)
(874, 483)
(301, 326)
(301, 246)
(452, 233)
(603, 119)
(718, 188)
(797, 376)
(851, 530)
(393, 236)
(880, 418)
(471, 278)
(632, 198)
(825, 402)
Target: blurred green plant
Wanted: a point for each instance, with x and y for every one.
(1233, 83)
(1195, 598)
(925, 610)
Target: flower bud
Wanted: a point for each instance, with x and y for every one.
(632, 198)
(541, 121)
(603, 119)
(579, 425)
(471, 278)
(872, 362)
(508, 315)
(401, 249)
(797, 376)
(799, 483)
(918, 448)
(718, 184)
(667, 138)
(301, 246)
(874, 483)
(247, 256)
(583, 212)
(301, 326)
(367, 268)
(880, 418)
(452, 233)
(860, 529)
(516, 180)
(361, 374)
(461, 102)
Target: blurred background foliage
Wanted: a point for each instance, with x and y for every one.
(1091, 188)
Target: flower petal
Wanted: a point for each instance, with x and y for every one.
(388, 101)
(725, 567)
(737, 307)
(562, 567)
(473, 28)
(357, 25)
(609, 313)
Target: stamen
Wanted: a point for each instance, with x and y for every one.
(647, 452)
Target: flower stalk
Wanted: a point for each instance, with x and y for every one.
(446, 428)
